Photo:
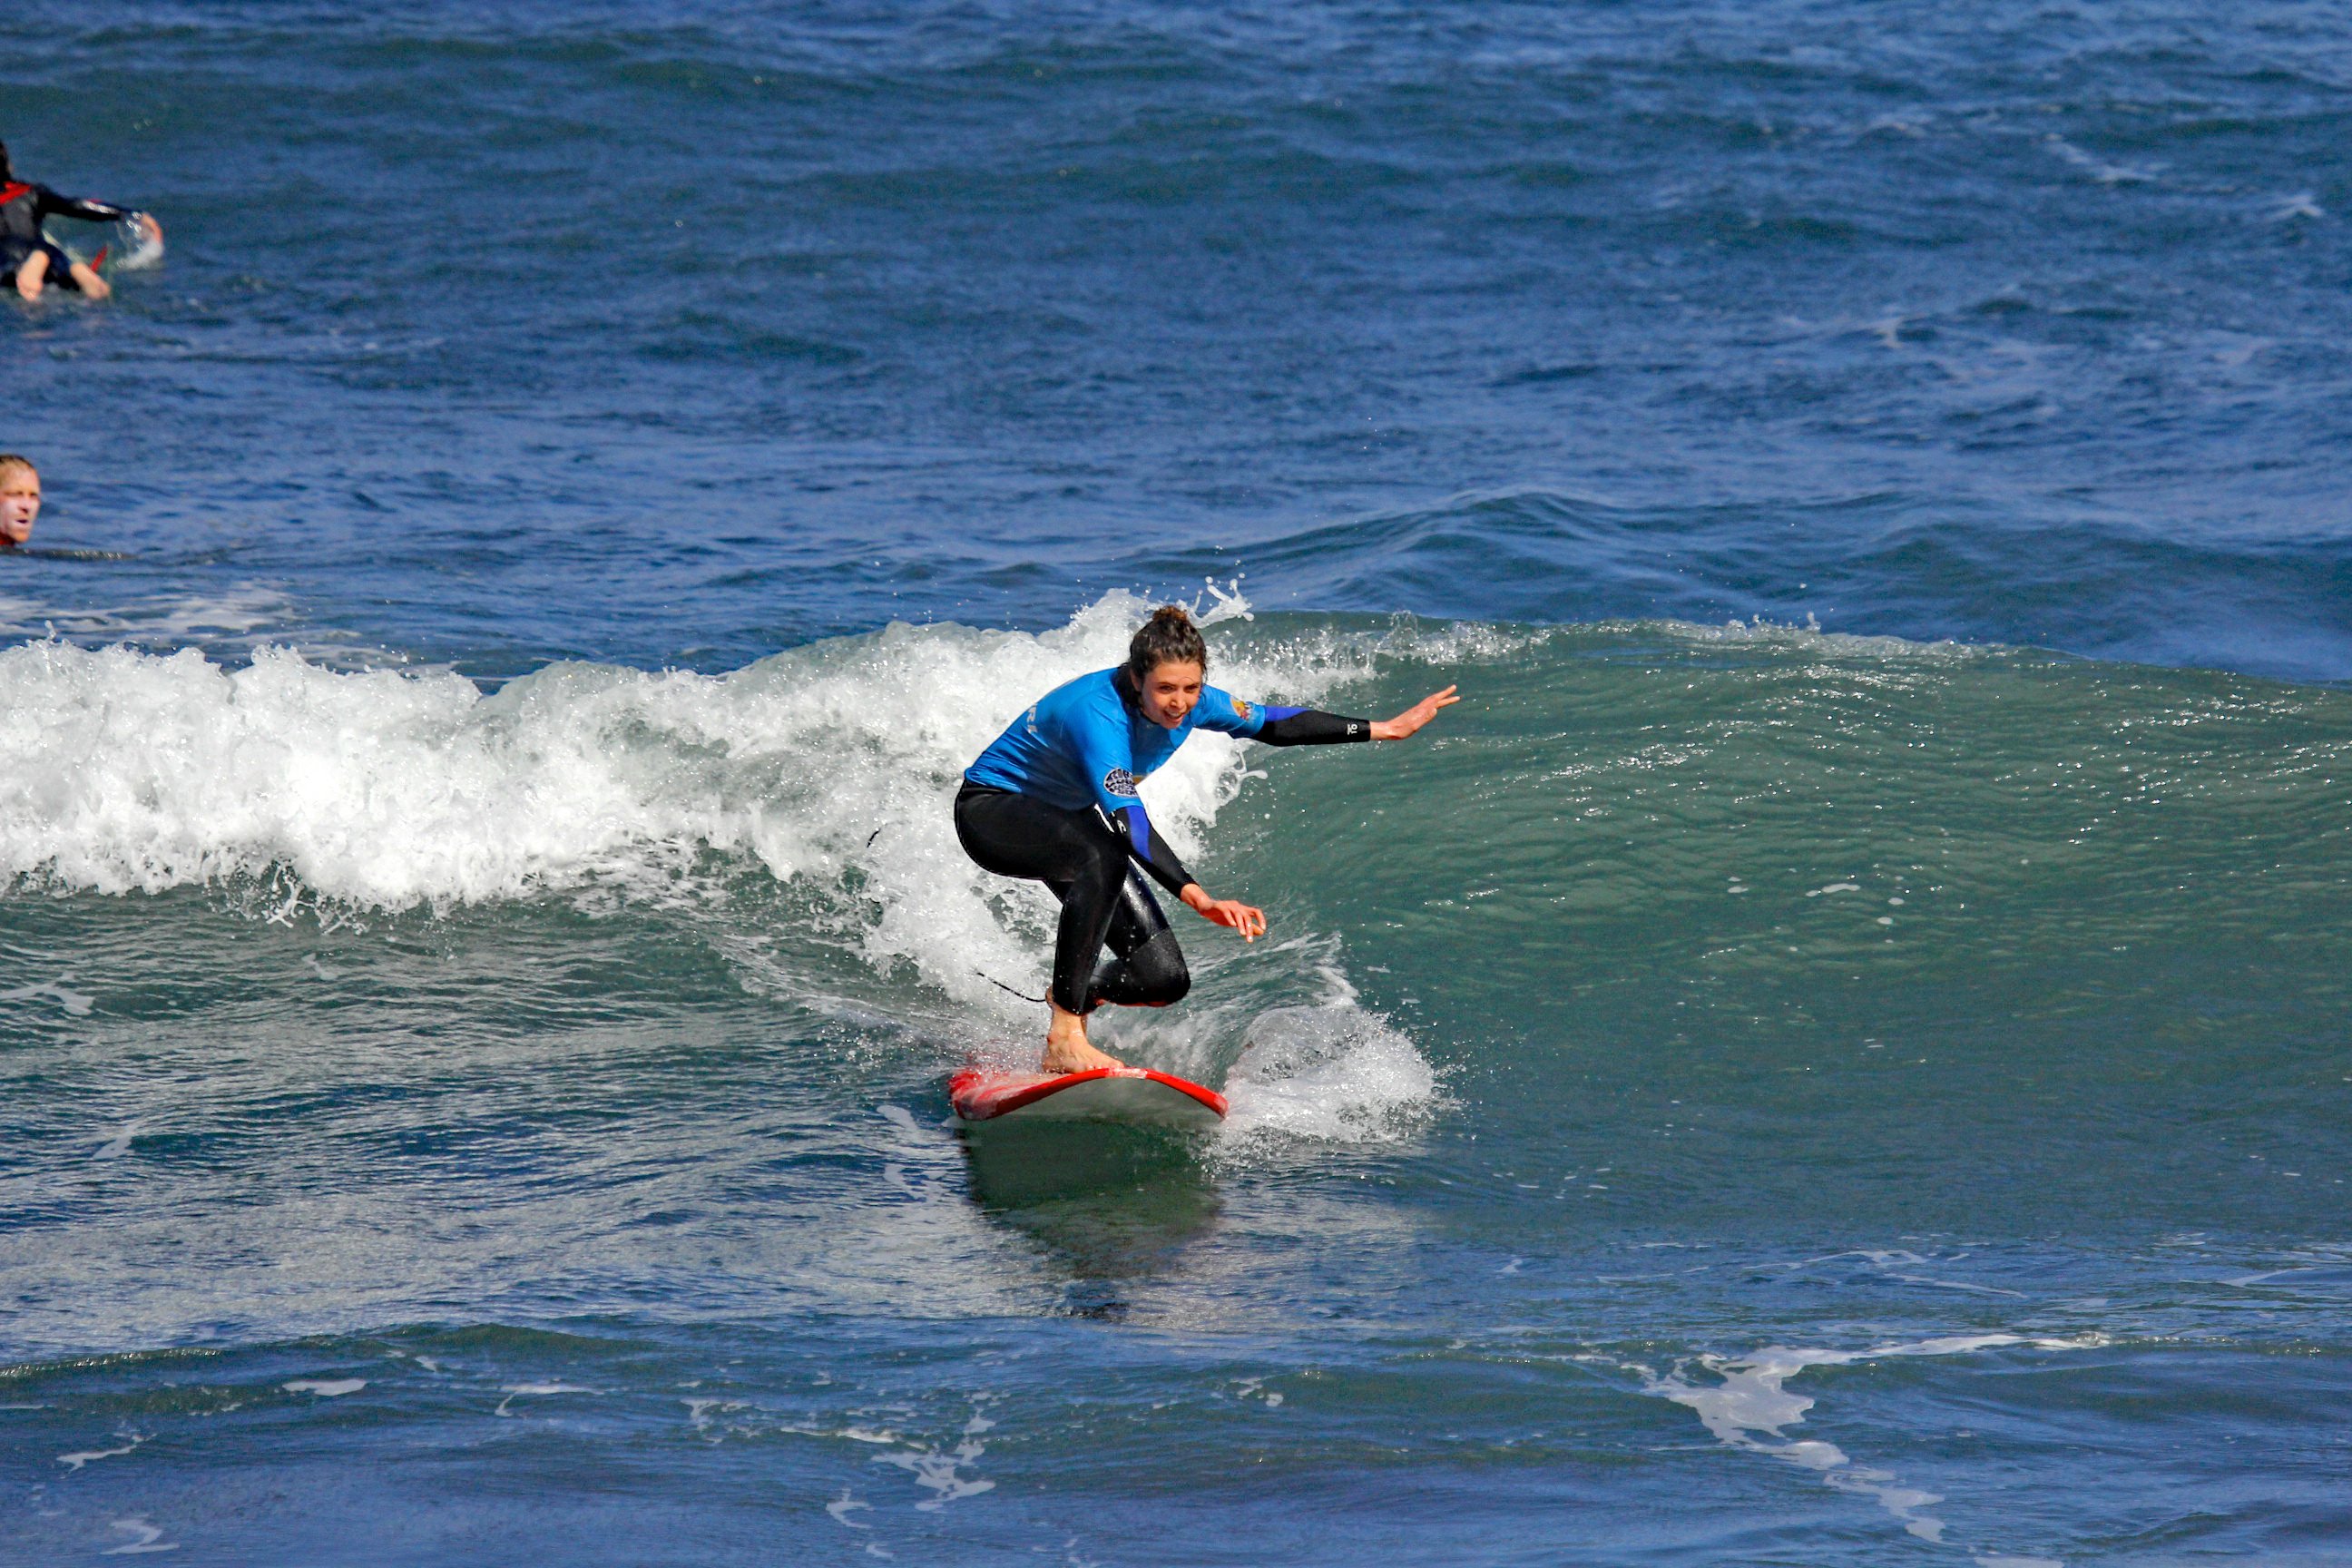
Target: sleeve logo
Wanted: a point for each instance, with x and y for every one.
(1119, 781)
(1242, 709)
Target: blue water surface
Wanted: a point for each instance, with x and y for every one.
(668, 336)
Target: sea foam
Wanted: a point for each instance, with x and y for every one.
(122, 770)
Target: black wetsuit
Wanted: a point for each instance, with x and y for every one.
(1018, 817)
(22, 210)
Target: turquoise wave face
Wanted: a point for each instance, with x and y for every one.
(1831, 1079)
(1983, 940)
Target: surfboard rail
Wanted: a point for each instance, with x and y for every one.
(985, 1094)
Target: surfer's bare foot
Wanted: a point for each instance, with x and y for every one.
(1076, 1055)
(1067, 1049)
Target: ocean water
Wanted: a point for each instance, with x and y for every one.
(1835, 1052)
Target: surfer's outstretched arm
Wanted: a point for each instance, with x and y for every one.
(1404, 724)
(1289, 727)
(52, 205)
(1313, 727)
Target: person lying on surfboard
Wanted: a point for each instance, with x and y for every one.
(27, 256)
(1053, 799)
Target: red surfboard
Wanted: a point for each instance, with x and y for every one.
(1098, 1094)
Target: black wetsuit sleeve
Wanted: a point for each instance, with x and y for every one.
(51, 204)
(1310, 727)
(1133, 825)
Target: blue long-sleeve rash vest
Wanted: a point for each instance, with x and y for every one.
(1086, 743)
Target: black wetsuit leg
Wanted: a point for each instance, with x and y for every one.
(1086, 865)
(60, 274)
(1147, 968)
(15, 252)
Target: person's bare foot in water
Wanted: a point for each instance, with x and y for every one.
(1067, 1049)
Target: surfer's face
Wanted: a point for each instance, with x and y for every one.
(1171, 691)
(20, 503)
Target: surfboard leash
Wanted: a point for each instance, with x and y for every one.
(1000, 985)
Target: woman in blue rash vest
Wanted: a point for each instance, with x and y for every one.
(1054, 800)
(27, 257)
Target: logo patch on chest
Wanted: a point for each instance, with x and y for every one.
(1118, 781)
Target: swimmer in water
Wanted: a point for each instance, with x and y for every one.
(20, 500)
(26, 254)
(1054, 800)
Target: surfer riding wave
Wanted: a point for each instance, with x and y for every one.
(1054, 800)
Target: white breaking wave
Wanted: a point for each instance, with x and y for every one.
(135, 250)
(122, 770)
(1331, 1073)
(829, 766)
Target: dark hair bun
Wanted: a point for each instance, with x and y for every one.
(1168, 637)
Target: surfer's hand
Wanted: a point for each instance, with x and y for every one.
(1232, 912)
(1414, 717)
